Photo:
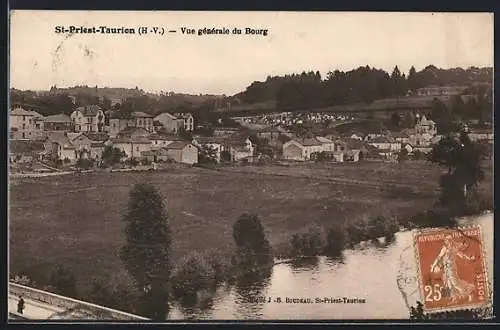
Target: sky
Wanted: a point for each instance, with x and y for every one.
(227, 64)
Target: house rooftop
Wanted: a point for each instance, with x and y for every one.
(308, 142)
(165, 137)
(59, 118)
(381, 139)
(89, 110)
(25, 147)
(177, 145)
(139, 114)
(21, 112)
(209, 139)
(323, 140)
(97, 136)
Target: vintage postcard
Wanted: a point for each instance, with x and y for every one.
(189, 165)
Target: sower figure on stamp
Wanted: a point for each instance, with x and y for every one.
(445, 262)
(20, 305)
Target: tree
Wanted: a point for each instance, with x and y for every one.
(402, 155)
(442, 116)
(207, 155)
(395, 120)
(63, 280)
(412, 79)
(408, 121)
(398, 82)
(254, 253)
(185, 135)
(458, 109)
(462, 158)
(111, 155)
(146, 253)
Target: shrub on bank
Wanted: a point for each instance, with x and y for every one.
(477, 203)
(435, 217)
(192, 274)
(309, 243)
(112, 294)
(222, 266)
(335, 241)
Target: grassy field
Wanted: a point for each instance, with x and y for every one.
(76, 219)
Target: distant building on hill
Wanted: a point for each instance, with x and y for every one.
(440, 90)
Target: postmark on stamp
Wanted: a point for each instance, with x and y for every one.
(452, 269)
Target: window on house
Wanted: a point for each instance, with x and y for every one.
(136, 148)
(24, 126)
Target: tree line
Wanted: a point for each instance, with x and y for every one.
(364, 84)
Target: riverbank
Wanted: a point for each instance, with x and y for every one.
(68, 216)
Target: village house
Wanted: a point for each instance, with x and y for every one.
(301, 149)
(88, 119)
(386, 146)
(240, 148)
(132, 141)
(385, 143)
(182, 152)
(188, 121)
(118, 122)
(215, 143)
(155, 155)
(143, 120)
(24, 151)
(275, 136)
(169, 122)
(350, 149)
(25, 124)
(61, 147)
(88, 145)
(59, 122)
(162, 140)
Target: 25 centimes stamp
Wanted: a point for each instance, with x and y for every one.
(452, 269)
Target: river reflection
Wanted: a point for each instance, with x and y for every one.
(369, 271)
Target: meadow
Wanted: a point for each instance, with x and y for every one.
(75, 219)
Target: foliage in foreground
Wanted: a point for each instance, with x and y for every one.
(417, 314)
(146, 253)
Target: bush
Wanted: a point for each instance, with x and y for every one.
(335, 241)
(84, 163)
(66, 160)
(307, 244)
(64, 282)
(133, 161)
(436, 217)
(146, 161)
(223, 269)
(192, 274)
(113, 294)
(477, 203)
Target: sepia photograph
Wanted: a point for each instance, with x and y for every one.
(177, 166)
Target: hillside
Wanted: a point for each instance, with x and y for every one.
(361, 88)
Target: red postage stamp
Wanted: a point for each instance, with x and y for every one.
(452, 269)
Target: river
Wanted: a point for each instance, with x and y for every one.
(369, 272)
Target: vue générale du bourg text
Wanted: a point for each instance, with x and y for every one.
(143, 30)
